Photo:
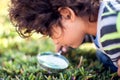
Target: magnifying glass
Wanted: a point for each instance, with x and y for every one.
(52, 62)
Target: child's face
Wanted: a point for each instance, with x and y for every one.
(71, 35)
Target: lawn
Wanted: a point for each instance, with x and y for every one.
(18, 56)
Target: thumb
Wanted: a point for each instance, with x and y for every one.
(63, 48)
(118, 71)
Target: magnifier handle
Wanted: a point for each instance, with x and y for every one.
(59, 53)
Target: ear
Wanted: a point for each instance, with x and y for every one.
(67, 13)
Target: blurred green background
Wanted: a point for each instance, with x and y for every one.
(18, 56)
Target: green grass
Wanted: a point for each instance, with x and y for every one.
(18, 63)
(18, 57)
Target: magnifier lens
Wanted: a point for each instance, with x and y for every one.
(52, 62)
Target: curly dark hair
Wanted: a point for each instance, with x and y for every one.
(39, 15)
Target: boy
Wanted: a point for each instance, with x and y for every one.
(68, 21)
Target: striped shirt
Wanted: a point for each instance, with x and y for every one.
(108, 29)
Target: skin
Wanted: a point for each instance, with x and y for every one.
(73, 32)
(118, 71)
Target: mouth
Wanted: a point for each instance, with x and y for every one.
(74, 47)
(70, 47)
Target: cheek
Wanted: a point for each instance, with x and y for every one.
(73, 38)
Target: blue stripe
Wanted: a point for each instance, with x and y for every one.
(115, 59)
(109, 42)
(111, 15)
(111, 6)
(108, 29)
(118, 1)
(113, 51)
(105, 10)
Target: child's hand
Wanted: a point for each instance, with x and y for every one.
(118, 71)
(63, 48)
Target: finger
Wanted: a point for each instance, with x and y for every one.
(64, 49)
(118, 62)
(118, 71)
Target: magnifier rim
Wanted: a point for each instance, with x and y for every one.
(52, 70)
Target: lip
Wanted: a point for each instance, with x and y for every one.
(74, 46)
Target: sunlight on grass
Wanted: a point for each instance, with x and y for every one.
(18, 56)
(88, 46)
(4, 7)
